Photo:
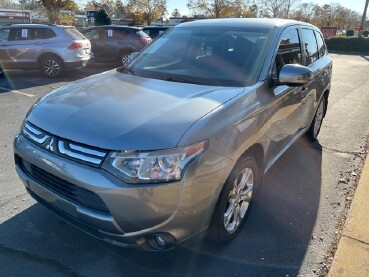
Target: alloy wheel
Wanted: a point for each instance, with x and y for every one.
(51, 67)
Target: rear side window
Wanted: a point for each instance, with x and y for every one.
(74, 33)
(311, 47)
(16, 34)
(92, 34)
(4, 34)
(322, 49)
(120, 34)
(43, 33)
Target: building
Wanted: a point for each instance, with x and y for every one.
(8, 16)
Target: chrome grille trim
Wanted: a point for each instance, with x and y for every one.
(87, 151)
(34, 134)
(63, 150)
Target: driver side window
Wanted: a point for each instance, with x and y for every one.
(289, 51)
(4, 34)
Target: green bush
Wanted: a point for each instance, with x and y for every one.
(350, 33)
(349, 44)
(366, 34)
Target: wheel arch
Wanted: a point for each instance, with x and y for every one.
(46, 54)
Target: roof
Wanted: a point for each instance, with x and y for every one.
(243, 22)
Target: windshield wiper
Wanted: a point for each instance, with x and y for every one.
(124, 69)
(180, 80)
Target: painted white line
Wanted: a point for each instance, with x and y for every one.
(18, 92)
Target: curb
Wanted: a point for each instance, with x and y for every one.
(352, 255)
(348, 52)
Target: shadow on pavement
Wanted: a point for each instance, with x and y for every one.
(23, 79)
(273, 242)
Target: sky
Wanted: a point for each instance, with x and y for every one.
(355, 5)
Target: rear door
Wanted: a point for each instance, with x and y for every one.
(4, 46)
(319, 62)
(23, 47)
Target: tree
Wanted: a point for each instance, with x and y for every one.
(53, 8)
(276, 8)
(102, 18)
(176, 13)
(8, 4)
(147, 10)
(29, 4)
(218, 8)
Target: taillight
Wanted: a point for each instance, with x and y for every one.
(144, 40)
(75, 46)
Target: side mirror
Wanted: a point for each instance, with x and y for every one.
(294, 75)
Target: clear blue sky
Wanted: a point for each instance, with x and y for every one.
(356, 5)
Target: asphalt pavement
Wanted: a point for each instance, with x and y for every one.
(292, 230)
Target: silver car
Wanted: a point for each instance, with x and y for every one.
(50, 48)
(176, 144)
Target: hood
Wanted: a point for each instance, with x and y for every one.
(118, 111)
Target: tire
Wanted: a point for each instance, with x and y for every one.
(52, 66)
(231, 211)
(124, 57)
(316, 124)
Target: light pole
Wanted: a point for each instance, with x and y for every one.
(363, 19)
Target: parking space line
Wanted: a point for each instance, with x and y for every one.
(18, 92)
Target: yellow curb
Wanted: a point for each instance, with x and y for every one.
(352, 255)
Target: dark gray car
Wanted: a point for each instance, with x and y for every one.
(176, 144)
(113, 44)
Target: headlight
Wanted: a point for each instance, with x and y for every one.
(154, 166)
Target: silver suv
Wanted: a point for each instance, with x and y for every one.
(177, 142)
(50, 48)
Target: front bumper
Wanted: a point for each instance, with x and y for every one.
(181, 209)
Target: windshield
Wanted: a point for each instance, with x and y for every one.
(208, 56)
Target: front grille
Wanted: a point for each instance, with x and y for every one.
(64, 189)
(70, 150)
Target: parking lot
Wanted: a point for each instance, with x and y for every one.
(292, 229)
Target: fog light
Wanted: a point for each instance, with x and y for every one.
(160, 241)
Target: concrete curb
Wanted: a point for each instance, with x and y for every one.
(352, 255)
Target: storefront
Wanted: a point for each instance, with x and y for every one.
(8, 16)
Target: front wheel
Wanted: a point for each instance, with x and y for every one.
(52, 67)
(234, 202)
(124, 57)
(317, 120)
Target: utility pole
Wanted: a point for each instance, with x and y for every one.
(363, 19)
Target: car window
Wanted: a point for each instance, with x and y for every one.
(42, 33)
(4, 34)
(16, 34)
(92, 34)
(120, 34)
(74, 33)
(289, 51)
(321, 45)
(311, 47)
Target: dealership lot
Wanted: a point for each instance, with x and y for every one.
(291, 229)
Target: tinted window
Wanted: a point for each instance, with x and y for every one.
(74, 33)
(311, 48)
(4, 34)
(120, 34)
(321, 46)
(92, 34)
(43, 33)
(19, 34)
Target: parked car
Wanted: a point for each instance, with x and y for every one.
(113, 44)
(155, 31)
(176, 143)
(50, 48)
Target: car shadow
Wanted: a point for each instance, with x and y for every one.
(365, 57)
(273, 242)
(23, 79)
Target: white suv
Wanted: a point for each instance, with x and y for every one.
(53, 49)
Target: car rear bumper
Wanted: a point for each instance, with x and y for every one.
(78, 64)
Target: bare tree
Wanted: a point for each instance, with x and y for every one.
(220, 8)
(276, 8)
(176, 13)
(147, 10)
